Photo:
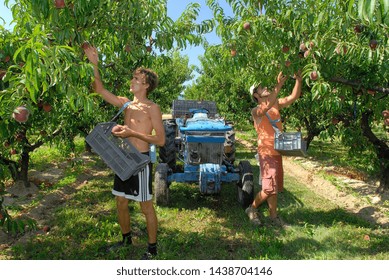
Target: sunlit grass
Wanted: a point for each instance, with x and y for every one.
(196, 226)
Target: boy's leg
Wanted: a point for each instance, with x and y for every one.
(148, 210)
(272, 202)
(123, 214)
(124, 222)
(260, 198)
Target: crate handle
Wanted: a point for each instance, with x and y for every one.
(121, 110)
(273, 123)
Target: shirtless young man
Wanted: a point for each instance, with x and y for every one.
(142, 126)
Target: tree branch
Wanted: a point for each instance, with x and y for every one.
(357, 84)
(41, 142)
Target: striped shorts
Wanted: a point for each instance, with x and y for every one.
(138, 187)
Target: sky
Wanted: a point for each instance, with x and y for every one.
(175, 8)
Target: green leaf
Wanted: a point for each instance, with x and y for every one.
(371, 8)
(350, 8)
(361, 10)
(384, 4)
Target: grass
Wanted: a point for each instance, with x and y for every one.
(194, 226)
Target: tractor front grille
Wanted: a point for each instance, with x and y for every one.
(199, 153)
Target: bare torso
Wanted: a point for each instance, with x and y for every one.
(137, 117)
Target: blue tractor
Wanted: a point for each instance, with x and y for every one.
(205, 144)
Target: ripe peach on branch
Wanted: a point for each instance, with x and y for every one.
(21, 114)
(313, 76)
(47, 107)
(373, 44)
(59, 4)
(246, 25)
(303, 47)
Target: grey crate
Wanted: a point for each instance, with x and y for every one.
(290, 144)
(118, 153)
(182, 107)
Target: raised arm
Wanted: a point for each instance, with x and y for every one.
(98, 86)
(281, 78)
(296, 92)
(268, 98)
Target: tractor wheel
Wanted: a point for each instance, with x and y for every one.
(229, 146)
(161, 184)
(245, 184)
(168, 153)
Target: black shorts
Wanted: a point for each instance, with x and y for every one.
(138, 187)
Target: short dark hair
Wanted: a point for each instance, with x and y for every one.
(151, 77)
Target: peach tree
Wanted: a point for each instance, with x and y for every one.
(43, 67)
(341, 48)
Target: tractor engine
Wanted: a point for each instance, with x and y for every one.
(202, 146)
(202, 139)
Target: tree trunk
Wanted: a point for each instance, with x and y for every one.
(384, 180)
(382, 151)
(312, 129)
(23, 174)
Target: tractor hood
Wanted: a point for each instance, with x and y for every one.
(201, 123)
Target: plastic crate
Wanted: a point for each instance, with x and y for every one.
(182, 107)
(118, 153)
(290, 144)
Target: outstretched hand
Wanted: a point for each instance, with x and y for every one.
(281, 78)
(297, 75)
(92, 54)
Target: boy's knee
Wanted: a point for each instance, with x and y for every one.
(147, 208)
(121, 202)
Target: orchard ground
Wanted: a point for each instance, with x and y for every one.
(348, 190)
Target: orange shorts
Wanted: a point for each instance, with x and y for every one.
(272, 173)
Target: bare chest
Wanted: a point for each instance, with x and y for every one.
(137, 117)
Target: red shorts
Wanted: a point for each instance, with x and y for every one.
(272, 173)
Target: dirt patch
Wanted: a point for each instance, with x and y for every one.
(18, 195)
(355, 196)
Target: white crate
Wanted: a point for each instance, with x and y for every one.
(290, 144)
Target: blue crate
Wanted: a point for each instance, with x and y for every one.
(118, 153)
